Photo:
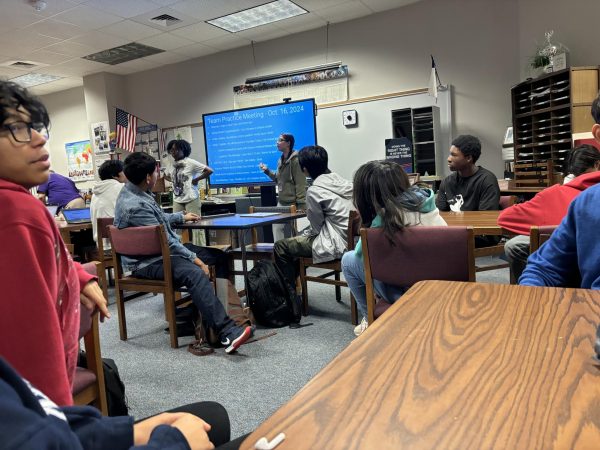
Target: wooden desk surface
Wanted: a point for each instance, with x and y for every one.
(460, 366)
(483, 222)
(237, 222)
(521, 190)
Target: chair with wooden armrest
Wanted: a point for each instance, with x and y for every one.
(88, 384)
(506, 201)
(539, 235)
(334, 268)
(416, 254)
(104, 254)
(144, 242)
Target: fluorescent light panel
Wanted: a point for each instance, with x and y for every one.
(34, 79)
(257, 16)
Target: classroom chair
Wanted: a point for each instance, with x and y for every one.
(334, 268)
(415, 254)
(498, 249)
(88, 383)
(104, 255)
(539, 235)
(144, 241)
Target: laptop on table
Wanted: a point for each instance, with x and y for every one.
(52, 209)
(77, 215)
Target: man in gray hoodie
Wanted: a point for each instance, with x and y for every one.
(328, 205)
(105, 192)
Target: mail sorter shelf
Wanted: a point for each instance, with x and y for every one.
(546, 112)
(421, 127)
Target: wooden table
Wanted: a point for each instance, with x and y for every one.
(457, 366)
(483, 222)
(66, 229)
(239, 222)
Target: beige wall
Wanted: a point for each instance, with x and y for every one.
(68, 124)
(481, 48)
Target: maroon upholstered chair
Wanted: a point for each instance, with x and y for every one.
(539, 235)
(143, 241)
(417, 254)
(88, 384)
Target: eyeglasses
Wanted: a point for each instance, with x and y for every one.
(21, 131)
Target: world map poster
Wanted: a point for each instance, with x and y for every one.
(79, 160)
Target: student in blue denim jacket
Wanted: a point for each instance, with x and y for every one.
(136, 207)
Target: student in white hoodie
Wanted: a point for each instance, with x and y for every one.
(328, 205)
(385, 199)
(106, 192)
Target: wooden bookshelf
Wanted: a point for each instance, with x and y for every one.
(546, 112)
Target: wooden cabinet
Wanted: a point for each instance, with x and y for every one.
(546, 112)
(421, 127)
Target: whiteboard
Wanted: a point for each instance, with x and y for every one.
(349, 148)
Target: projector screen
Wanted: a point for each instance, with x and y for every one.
(237, 141)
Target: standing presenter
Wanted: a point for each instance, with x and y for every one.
(291, 182)
(185, 174)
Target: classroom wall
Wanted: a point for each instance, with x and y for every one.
(385, 52)
(68, 123)
(575, 24)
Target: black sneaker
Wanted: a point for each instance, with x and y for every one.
(235, 338)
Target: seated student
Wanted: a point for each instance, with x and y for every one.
(106, 191)
(384, 199)
(583, 159)
(31, 420)
(572, 254)
(548, 207)
(60, 190)
(470, 187)
(136, 207)
(41, 285)
(328, 205)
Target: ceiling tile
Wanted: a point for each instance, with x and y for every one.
(130, 30)
(23, 41)
(196, 50)
(52, 7)
(123, 8)
(227, 42)
(200, 32)
(347, 11)
(315, 5)
(99, 41)
(211, 9)
(301, 23)
(166, 57)
(46, 57)
(166, 41)
(71, 48)
(56, 29)
(165, 2)
(87, 17)
(17, 15)
(7, 72)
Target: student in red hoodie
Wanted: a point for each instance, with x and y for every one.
(548, 207)
(41, 286)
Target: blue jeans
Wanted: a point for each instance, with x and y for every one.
(188, 274)
(354, 273)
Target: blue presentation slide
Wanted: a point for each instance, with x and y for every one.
(238, 141)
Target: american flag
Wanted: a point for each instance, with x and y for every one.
(126, 130)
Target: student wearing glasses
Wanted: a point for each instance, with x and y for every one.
(41, 285)
(291, 181)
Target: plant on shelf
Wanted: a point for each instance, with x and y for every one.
(544, 55)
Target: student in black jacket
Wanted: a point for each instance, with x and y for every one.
(470, 187)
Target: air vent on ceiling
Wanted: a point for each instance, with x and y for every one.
(23, 65)
(124, 53)
(165, 20)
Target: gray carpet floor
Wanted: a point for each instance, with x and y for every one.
(252, 383)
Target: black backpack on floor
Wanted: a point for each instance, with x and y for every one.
(116, 401)
(272, 302)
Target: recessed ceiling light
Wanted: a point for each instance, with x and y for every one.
(33, 79)
(123, 53)
(260, 15)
